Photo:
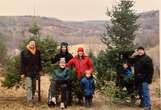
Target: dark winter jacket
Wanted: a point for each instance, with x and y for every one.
(87, 85)
(143, 68)
(61, 74)
(30, 63)
(66, 55)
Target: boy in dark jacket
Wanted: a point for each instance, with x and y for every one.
(60, 79)
(88, 87)
(127, 78)
(127, 71)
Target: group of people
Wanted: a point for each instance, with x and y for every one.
(61, 81)
(61, 77)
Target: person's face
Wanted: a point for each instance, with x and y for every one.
(80, 53)
(64, 49)
(32, 44)
(125, 66)
(88, 75)
(62, 64)
(141, 52)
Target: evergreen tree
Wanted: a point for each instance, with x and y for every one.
(118, 37)
(120, 33)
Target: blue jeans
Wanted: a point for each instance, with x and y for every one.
(143, 90)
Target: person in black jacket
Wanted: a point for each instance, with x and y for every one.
(64, 53)
(143, 71)
(30, 69)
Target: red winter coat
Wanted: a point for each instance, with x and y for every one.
(81, 65)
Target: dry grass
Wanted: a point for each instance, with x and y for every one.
(11, 99)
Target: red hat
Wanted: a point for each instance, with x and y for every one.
(80, 49)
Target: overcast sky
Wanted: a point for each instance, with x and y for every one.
(77, 10)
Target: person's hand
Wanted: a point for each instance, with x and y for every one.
(135, 53)
(22, 76)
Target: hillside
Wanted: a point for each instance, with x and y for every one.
(15, 28)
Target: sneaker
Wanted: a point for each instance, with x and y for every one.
(53, 100)
(62, 106)
(147, 108)
(30, 104)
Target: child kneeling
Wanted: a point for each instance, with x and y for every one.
(59, 81)
(88, 87)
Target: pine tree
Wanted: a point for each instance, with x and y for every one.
(35, 29)
(119, 37)
(120, 34)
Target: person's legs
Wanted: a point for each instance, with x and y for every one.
(64, 94)
(88, 101)
(146, 95)
(140, 92)
(53, 88)
(29, 89)
(33, 87)
(53, 91)
(69, 92)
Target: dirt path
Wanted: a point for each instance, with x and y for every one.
(11, 99)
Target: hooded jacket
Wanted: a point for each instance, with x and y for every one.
(88, 86)
(81, 65)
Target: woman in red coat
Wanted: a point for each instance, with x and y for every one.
(83, 65)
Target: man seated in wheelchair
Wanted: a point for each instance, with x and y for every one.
(59, 82)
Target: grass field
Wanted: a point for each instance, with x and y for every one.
(12, 99)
